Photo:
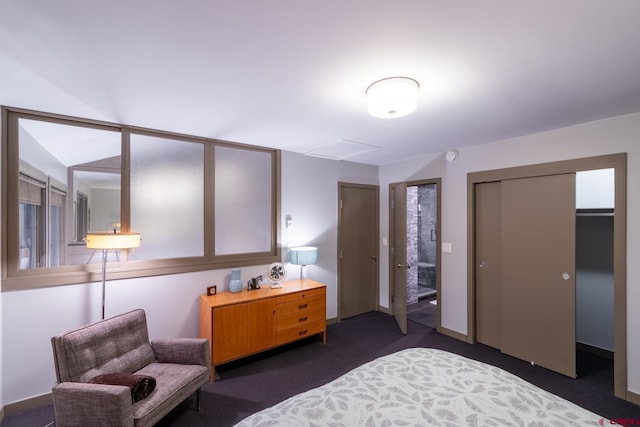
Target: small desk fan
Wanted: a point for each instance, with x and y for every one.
(276, 274)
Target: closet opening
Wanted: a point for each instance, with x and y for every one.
(594, 272)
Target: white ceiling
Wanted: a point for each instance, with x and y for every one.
(292, 74)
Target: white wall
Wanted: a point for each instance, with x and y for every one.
(30, 318)
(608, 136)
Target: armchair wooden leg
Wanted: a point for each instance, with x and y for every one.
(198, 400)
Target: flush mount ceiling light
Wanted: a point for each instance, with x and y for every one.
(393, 97)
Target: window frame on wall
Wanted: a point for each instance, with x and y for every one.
(126, 266)
(32, 213)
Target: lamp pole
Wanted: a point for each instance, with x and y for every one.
(104, 276)
(110, 241)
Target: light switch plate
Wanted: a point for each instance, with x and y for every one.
(447, 248)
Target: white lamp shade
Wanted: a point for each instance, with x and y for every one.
(303, 255)
(113, 240)
(393, 97)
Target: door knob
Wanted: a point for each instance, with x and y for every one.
(373, 257)
(482, 264)
(399, 265)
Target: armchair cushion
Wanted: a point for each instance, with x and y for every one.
(141, 386)
(185, 351)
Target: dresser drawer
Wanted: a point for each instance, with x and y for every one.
(301, 331)
(301, 305)
(316, 312)
(302, 295)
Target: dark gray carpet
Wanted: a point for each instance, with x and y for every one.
(260, 381)
(425, 316)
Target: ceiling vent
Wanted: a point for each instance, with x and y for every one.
(341, 150)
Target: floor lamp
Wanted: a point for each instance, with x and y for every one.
(106, 241)
(303, 256)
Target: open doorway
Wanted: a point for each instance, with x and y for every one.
(422, 238)
(414, 231)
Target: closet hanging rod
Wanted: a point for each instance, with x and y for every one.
(594, 212)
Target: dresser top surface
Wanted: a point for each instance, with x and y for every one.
(288, 287)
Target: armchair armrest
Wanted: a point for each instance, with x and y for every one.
(83, 404)
(183, 351)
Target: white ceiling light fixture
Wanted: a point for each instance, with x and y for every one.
(393, 97)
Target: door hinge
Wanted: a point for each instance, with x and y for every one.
(340, 203)
(392, 298)
(340, 253)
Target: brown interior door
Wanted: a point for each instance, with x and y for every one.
(398, 257)
(359, 249)
(538, 271)
(488, 263)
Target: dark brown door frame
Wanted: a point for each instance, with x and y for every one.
(619, 163)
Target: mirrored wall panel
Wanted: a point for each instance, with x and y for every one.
(69, 184)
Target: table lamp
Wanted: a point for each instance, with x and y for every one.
(303, 256)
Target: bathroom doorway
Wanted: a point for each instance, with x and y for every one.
(422, 253)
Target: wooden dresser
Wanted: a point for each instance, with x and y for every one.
(238, 324)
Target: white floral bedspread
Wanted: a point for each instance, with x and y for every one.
(425, 387)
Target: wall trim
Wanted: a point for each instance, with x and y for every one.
(385, 310)
(26, 404)
(451, 333)
(633, 397)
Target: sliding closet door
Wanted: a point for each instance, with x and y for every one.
(538, 271)
(488, 262)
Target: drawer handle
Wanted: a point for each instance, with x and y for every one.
(302, 319)
(301, 306)
(302, 333)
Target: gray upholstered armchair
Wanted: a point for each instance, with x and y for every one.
(172, 369)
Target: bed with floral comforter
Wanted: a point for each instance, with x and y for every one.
(420, 387)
